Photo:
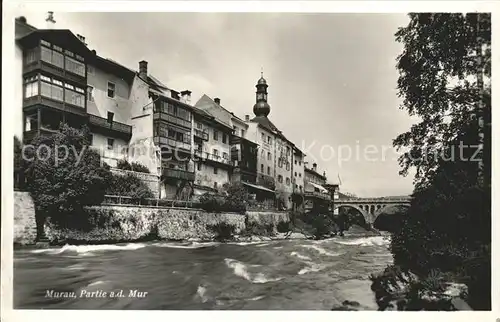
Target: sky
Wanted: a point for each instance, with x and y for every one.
(332, 77)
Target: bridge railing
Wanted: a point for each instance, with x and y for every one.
(373, 200)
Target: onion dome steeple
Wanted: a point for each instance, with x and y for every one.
(261, 107)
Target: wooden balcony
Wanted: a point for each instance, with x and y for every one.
(178, 174)
(205, 156)
(315, 194)
(171, 145)
(200, 134)
(116, 126)
(172, 119)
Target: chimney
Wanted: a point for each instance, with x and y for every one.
(82, 39)
(143, 69)
(217, 100)
(50, 20)
(247, 118)
(22, 19)
(315, 166)
(186, 96)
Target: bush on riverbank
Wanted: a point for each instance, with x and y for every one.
(448, 225)
(63, 175)
(130, 185)
(253, 228)
(222, 231)
(233, 199)
(134, 166)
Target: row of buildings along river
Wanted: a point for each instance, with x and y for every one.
(193, 147)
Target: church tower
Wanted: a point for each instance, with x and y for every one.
(261, 107)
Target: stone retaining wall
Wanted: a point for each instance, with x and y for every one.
(132, 223)
(24, 219)
(151, 180)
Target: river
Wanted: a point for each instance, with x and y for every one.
(275, 275)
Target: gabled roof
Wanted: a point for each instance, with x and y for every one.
(115, 68)
(58, 36)
(205, 103)
(315, 173)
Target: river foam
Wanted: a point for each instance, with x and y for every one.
(85, 249)
(307, 258)
(241, 269)
(193, 245)
(321, 250)
(365, 241)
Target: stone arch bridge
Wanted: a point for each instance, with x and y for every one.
(371, 208)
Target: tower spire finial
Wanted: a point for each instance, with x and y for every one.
(261, 71)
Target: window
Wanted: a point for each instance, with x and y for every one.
(74, 98)
(90, 94)
(269, 139)
(199, 125)
(300, 188)
(300, 175)
(242, 133)
(216, 135)
(52, 57)
(29, 56)
(215, 171)
(287, 181)
(300, 163)
(263, 137)
(295, 173)
(111, 89)
(280, 163)
(198, 165)
(224, 138)
(215, 185)
(288, 166)
(74, 66)
(287, 150)
(110, 117)
(110, 144)
(179, 136)
(268, 170)
(280, 178)
(91, 139)
(262, 168)
(295, 162)
(51, 91)
(31, 87)
(269, 155)
(216, 152)
(225, 156)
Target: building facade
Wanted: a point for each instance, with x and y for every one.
(315, 194)
(275, 157)
(132, 115)
(212, 152)
(53, 65)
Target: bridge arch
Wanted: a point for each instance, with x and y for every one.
(387, 220)
(366, 215)
(386, 207)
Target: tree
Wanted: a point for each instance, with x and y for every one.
(19, 164)
(444, 79)
(64, 175)
(438, 83)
